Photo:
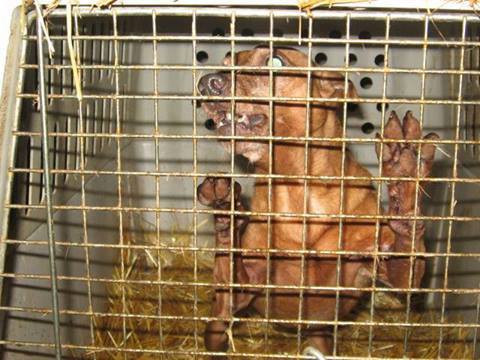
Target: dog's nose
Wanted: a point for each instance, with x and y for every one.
(212, 84)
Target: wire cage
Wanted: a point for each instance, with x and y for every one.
(99, 209)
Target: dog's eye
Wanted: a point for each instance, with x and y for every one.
(275, 61)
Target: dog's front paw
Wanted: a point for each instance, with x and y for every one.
(400, 158)
(216, 192)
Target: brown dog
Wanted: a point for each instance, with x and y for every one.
(321, 231)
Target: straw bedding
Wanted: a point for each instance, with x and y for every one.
(153, 334)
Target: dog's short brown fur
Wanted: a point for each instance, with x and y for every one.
(323, 198)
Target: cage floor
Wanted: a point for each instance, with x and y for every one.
(143, 332)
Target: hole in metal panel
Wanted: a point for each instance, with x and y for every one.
(321, 58)
(71, 145)
(60, 61)
(99, 121)
(368, 128)
(380, 60)
(63, 149)
(112, 117)
(365, 35)
(210, 124)
(247, 32)
(110, 59)
(122, 48)
(218, 32)
(366, 83)
(96, 59)
(49, 80)
(202, 56)
(335, 34)
(42, 176)
(34, 59)
(277, 32)
(101, 58)
(28, 179)
(88, 54)
(104, 120)
(352, 107)
(379, 107)
(54, 153)
(77, 154)
(94, 120)
(352, 59)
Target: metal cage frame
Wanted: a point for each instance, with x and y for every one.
(15, 94)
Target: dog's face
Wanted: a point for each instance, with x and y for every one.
(252, 117)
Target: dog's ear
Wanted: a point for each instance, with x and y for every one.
(331, 84)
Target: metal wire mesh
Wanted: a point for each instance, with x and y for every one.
(86, 140)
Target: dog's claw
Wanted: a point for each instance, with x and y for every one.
(393, 128)
(411, 127)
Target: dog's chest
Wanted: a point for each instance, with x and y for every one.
(288, 202)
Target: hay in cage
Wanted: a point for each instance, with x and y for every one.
(145, 332)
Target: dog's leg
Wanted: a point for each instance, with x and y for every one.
(216, 193)
(400, 160)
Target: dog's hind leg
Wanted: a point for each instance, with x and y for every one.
(216, 193)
